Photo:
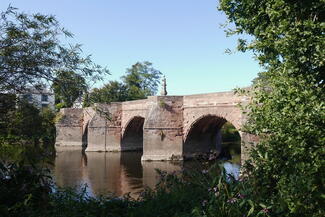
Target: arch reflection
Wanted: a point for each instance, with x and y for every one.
(106, 173)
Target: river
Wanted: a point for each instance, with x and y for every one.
(104, 173)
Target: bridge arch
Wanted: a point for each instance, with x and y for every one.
(132, 134)
(205, 134)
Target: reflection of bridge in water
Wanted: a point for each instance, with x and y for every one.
(118, 172)
(164, 127)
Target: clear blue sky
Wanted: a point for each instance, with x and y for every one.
(182, 39)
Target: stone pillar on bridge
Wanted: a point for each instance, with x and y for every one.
(163, 126)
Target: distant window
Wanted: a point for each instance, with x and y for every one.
(44, 98)
(28, 97)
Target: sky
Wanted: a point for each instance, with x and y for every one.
(182, 38)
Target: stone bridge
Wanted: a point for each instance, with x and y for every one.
(164, 127)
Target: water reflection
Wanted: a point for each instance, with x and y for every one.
(69, 168)
(150, 177)
(103, 173)
(232, 170)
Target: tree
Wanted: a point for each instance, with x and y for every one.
(31, 55)
(141, 80)
(7, 104)
(31, 52)
(288, 113)
(68, 86)
(114, 91)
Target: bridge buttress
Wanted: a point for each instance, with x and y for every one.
(162, 133)
(69, 128)
(104, 129)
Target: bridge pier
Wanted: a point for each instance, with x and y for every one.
(162, 134)
(69, 128)
(104, 131)
(247, 142)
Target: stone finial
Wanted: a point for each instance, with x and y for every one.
(163, 87)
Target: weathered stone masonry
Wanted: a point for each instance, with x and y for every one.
(165, 127)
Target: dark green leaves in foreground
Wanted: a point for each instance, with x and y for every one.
(287, 109)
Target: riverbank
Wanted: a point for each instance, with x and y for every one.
(176, 194)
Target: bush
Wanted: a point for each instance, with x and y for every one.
(287, 100)
(24, 190)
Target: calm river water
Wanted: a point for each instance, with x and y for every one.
(113, 172)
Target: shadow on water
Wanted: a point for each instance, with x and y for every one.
(111, 172)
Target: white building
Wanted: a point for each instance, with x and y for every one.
(41, 98)
(78, 103)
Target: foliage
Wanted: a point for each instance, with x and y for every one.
(142, 80)
(24, 190)
(23, 124)
(26, 137)
(229, 133)
(286, 173)
(231, 143)
(68, 86)
(114, 91)
(68, 202)
(226, 196)
(7, 103)
(173, 196)
(162, 104)
(31, 52)
(48, 127)
(287, 107)
(209, 191)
